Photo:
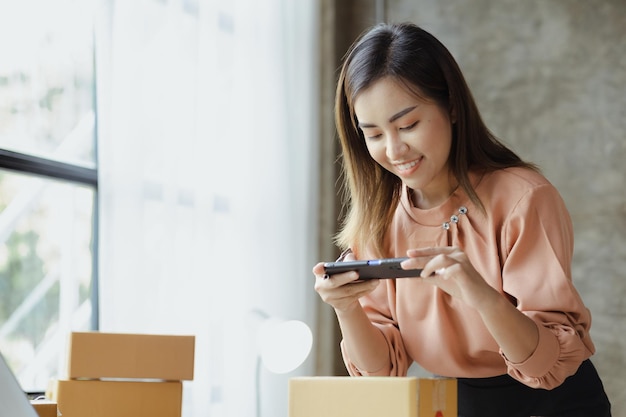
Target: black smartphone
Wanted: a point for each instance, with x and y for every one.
(373, 268)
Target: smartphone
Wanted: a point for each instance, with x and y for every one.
(373, 269)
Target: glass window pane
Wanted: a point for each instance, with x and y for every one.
(46, 229)
(46, 79)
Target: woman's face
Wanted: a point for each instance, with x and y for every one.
(409, 137)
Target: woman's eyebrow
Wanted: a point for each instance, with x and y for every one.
(391, 119)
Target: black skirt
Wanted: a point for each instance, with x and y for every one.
(580, 395)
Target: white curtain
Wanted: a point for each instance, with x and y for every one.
(207, 126)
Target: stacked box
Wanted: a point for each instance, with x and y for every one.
(124, 375)
(372, 397)
(45, 408)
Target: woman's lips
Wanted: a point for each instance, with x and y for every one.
(406, 168)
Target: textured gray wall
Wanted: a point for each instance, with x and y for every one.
(550, 79)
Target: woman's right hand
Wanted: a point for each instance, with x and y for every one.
(341, 291)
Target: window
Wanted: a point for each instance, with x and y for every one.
(48, 183)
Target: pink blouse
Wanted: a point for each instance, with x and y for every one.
(522, 246)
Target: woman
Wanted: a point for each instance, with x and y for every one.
(495, 306)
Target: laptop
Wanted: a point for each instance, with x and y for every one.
(13, 400)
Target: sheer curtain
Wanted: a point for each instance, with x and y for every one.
(207, 127)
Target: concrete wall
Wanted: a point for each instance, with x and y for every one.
(550, 80)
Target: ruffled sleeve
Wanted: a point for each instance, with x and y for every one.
(378, 306)
(537, 244)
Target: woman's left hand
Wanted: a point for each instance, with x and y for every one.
(449, 269)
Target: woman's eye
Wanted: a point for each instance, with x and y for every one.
(371, 135)
(409, 127)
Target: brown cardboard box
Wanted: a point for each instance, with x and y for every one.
(94, 398)
(132, 356)
(372, 397)
(437, 397)
(45, 408)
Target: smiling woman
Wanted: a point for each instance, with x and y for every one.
(495, 306)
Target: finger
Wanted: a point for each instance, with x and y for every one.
(338, 280)
(360, 288)
(348, 293)
(364, 285)
(438, 266)
(350, 257)
(414, 263)
(441, 272)
(318, 269)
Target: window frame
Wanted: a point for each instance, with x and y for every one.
(25, 163)
(50, 169)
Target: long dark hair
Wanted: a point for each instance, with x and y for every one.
(424, 65)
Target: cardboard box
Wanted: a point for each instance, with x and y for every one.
(132, 356)
(372, 397)
(45, 408)
(94, 398)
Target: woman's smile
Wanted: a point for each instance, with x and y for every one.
(408, 168)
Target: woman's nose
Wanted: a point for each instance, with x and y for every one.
(396, 148)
